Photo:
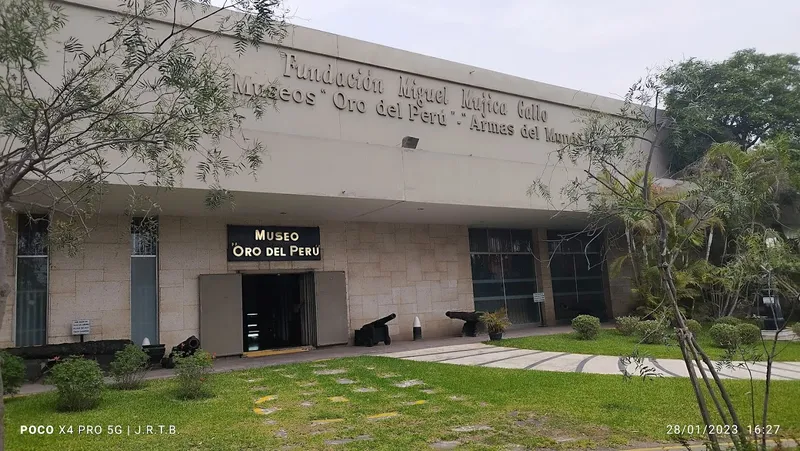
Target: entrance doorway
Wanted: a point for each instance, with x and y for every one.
(273, 307)
(242, 313)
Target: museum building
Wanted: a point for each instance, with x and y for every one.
(393, 183)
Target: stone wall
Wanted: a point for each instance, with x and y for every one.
(411, 270)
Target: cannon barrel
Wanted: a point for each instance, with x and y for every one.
(382, 321)
(464, 316)
(191, 344)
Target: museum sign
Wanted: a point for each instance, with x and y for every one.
(273, 243)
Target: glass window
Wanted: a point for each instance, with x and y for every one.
(522, 241)
(503, 272)
(518, 267)
(478, 240)
(144, 280)
(499, 240)
(486, 267)
(32, 281)
(486, 289)
(576, 268)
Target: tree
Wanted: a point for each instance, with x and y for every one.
(668, 221)
(748, 98)
(132, 107)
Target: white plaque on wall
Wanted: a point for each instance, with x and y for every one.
(81, 327)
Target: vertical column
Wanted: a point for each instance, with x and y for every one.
(543, 278)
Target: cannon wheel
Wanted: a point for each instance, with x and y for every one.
(388, 341)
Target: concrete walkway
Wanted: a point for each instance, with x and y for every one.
(479, 354)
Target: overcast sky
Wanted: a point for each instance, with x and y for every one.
(596, 46)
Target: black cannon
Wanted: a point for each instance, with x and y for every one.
(375, 332)
(471, 322)
(183, 349)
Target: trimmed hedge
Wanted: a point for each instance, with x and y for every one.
(730, 320)
(626, 325)
(586, 326)
(652, 331)
(724, 335)
(694, 326)
(748, 334)
(796, 329)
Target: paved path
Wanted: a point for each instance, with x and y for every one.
(479, 354)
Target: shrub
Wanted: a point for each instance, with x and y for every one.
(191, 374)
(694, 326)
(496, 322)
(652, 331)
(79, 383)
(730, 320)
(129, 367)
(748, 334)
(13, 370)
(796, 329)
(626, 325)
(586, 326)
(724, 335)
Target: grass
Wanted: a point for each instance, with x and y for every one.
(611, 342)
(530, 408)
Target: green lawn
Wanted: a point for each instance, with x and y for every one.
(529, 408)
(610, 342)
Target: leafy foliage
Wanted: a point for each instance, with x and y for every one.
(191, 375)
(748, 98)
(730, 320)
(796, 329)
(79, 383)
(694, 326)
(130, 366)
(586, 326)
(748, 333)
(13, 369)
(725, 335)
(652, 331)
(626, 325)
(496, 322)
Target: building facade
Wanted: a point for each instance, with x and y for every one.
(393, 183)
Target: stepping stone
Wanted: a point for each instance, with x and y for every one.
(338, 399)
(416, 403)
(387, 375)
(343, 441)
(265, 399)
(471, 428)
(456, 398)
(306, 404)
(445, 445)
(329, 372)
(281, 434)
(369, 367)
(319, 365)
(483, 404)
(409, 383)
(289, 376)
(251, 380)
(262, 411)
(383, 416)
(365, 389)
(428, 391)
(345, 381)
(328, 421)
(270, 422)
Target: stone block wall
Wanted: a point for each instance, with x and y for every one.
(407, 269)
